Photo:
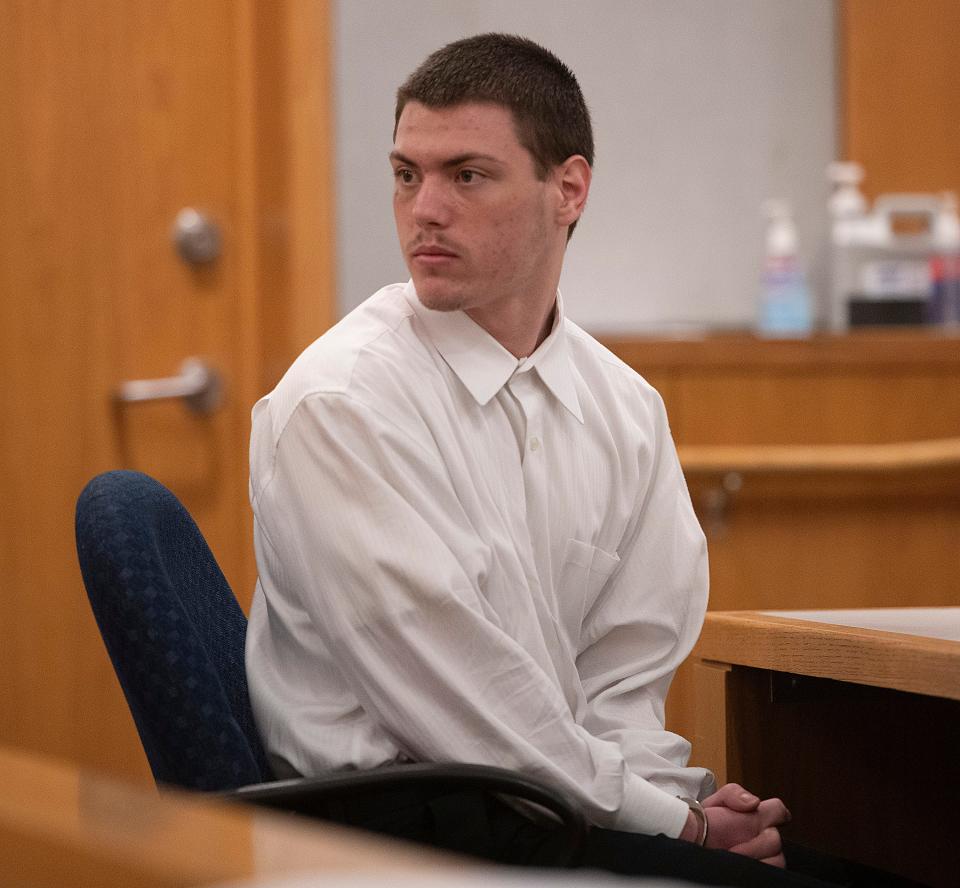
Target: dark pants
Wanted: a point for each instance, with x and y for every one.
(487, 828)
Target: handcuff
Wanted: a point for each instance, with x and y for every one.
(701, 817)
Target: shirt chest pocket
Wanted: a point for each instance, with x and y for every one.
(584, 571)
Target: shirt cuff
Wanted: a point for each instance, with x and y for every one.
(694, 783)
(650, 811)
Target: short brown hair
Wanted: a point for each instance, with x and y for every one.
(548, 108)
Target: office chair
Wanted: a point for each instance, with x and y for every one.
(175, 634)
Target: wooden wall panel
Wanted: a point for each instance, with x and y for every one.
(900, 88)
(817, 541)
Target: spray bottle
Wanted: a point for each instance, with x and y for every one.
(785, 303)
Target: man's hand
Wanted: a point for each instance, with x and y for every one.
(742, 823)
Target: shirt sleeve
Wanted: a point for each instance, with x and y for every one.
(645, 622)
(368, 538)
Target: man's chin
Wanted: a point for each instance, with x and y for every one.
(438, 297)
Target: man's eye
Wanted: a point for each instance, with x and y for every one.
(404, 175)
(468, 177)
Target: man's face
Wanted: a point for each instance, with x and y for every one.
(476, 225)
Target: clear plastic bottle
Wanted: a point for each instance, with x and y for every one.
(785, 304)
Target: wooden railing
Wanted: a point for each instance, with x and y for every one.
(753, 459)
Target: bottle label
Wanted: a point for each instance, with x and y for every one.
(894, 278)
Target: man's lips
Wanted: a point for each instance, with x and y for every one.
(434, 251)
(433, 256)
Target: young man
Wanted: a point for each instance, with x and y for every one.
(474, 539)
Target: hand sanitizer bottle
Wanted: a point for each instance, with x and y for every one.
(785, 303)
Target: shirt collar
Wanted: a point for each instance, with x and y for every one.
(484, 366)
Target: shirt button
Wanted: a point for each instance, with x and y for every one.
(534, 444)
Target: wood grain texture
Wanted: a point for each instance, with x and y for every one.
(876, 348)
(285, 75)
(906, 456)
(900, 93)
(712, 723)
(865, 522)
(857, 730)
(862, 656)
(117, 115)
(60, 825)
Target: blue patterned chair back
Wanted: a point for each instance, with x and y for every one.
(174, 632)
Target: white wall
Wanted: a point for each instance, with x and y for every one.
(701, 110)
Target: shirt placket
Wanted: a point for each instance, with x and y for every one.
(533, 457)
(533, 398)
(533, 467)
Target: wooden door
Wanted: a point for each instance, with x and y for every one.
(113, 117)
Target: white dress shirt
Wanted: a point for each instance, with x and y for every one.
(466, 557)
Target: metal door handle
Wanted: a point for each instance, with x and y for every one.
(198, 384)
(196, 236)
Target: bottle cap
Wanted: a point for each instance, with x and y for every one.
(781, 232)
(847, 199)
(946, 224)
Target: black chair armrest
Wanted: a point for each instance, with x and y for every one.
(354, 797)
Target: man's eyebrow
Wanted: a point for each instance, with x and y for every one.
(457, 160)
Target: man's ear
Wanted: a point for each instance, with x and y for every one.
(573, 180)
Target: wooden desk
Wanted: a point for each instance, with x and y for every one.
(855, 723)
(62, 826)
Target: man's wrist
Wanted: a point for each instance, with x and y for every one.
(691, 829)
(700, 826)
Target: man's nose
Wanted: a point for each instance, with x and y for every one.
(431, 206)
